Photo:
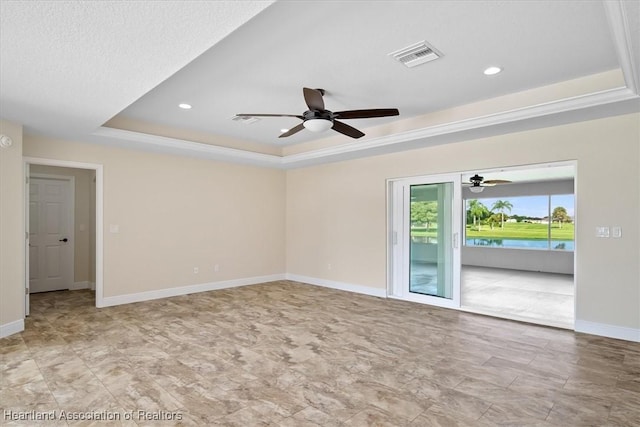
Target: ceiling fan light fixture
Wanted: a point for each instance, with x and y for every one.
(318, 125)
(476, 189)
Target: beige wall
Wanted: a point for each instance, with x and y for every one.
(177, 213)
(336, 212)
(11, 226)
(83, 226)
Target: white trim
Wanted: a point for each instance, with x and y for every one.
(26, 192)
(466, 125)
(358, 289)
(619, 26)
(190, 289)
(609, 331)
(173, 145)
(99, 284)
(80, 285)
(11, 328)
(482, 126)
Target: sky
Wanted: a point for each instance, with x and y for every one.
(534, 206)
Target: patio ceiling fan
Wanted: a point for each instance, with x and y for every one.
(319, 119)
(477, 183)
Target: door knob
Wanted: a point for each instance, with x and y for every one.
(63, 240)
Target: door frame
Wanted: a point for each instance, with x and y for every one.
(398, 243)
(99, 170)
(391, 236)
(70, 217)
(576, 290)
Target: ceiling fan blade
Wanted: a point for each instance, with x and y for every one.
(269, 115)
(293, 130)
(366, 114)
(345, 129)
(497, 181)
(313, 98)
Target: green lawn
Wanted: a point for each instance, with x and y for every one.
(512, 230)
(523, 230)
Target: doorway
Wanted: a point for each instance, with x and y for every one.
(84, 236)
(518, 250)
(437, 255)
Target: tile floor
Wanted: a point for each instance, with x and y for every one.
(521, 295)
(289, 354)
(545, 298)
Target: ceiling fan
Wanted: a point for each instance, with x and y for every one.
(318, 119)
(477, 183)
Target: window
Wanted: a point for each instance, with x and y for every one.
(528, 222)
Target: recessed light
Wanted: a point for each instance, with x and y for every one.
(284, 130)
(492, 71)
(185, 106)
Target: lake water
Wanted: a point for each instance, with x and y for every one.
(567, 245)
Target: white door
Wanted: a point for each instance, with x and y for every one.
(426, 224)
(50, 234)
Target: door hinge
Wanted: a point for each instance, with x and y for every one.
(27, 179)
(26, 291)
(395, 237)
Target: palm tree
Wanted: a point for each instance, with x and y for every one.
(501, 206)
(560, 214)
(478, 211)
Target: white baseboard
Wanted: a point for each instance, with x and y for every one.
(359, 289)
(80, 285)
(92, 286)
(610, 331)
(11, 328)
(185, 290)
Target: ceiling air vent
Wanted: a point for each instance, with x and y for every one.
(415, 54)
(247, 120)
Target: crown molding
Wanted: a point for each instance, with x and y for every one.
(618, 20)
(477, 127)
(183, 147)
(595, 105)
(539, 115)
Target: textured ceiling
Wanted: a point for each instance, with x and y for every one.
(69, 67)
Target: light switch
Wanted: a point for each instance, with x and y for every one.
(602, 232)
(114, 228)
(616, 232)
(81, 227)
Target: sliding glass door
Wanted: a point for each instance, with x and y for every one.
(425, 250)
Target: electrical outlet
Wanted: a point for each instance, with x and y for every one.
(616, 232)
(196, 270)
(216, 268)
(328, 266)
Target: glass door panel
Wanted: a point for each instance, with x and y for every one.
(430, 241)
(424, 252)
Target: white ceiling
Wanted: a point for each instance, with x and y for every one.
(66, 68)
(343, 47)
